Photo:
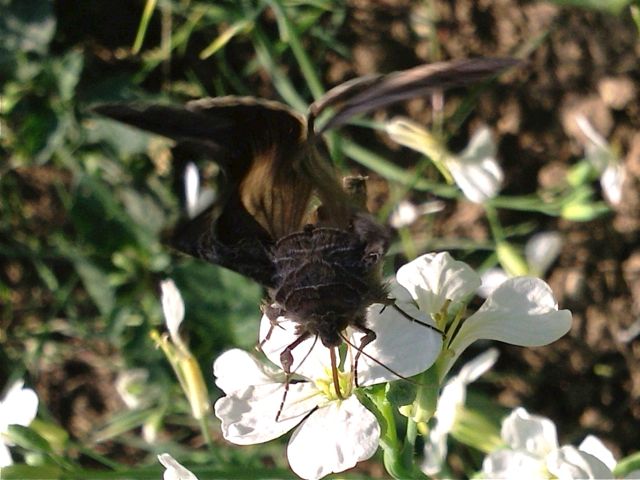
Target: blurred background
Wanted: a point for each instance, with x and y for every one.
(85, 202)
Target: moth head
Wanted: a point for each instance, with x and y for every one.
(374, 236)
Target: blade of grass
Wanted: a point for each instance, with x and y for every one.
(147, 13)
(290, 35)
(265, 53)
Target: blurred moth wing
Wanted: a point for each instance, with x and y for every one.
(268, 176)
(364, 94)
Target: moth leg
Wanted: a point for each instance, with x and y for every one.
(286, 360)
(369, 336)
(385, 303)
(272, 314)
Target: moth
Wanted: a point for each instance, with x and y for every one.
(282, 217)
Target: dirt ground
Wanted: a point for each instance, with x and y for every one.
(582, 61)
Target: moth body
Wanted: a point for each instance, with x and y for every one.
(327, 277)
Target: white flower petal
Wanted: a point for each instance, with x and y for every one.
(333, 439)
(18, 407)
(191, 188)
(476, 171)
(174, 470)
(594, 446)
(173, 308)
(533, 433)
(235, 369)
(491, 279)
(130, 385)
(592, 135)
(541, 251)
(521, 311)
(611, 182)
(403, 215)
(249, 416)
(5, 455)
(401, 345)
(310, 358)
(453, 396)
(512, 464)
(412, 135)
(477, 366)
(435, 450)
(481, 145)
(435, 278)
(454, 393)
(406, 212)
(569, 463)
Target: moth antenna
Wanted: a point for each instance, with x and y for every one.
(378, 362)
(412, 319)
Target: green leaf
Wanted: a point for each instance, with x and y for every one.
(20, 472)
(67, 71)
(401, 393)
(28, 439)
(97, 284)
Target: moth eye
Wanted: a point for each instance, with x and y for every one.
(371, 258)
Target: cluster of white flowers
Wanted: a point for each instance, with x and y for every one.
(331, 433)
(532, 451)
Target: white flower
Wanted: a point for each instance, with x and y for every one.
(196, 199)
(177, 352)
(475, 170)
(407, 213)
(611, 182)
(174, 470)
(18, 407)
(533, 452)
(450, 402)
(331, 434)
(435, 278)
(131, 385)
(521, 311)
(540, 252)
(604, 161)
(173, 309)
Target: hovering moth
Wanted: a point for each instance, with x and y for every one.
(281, 216)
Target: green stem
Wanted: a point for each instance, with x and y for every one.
(204, 428)
(408, 453)
(391, 447)
(494, 223)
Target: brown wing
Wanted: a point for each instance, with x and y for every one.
(364, 94)
(264, 195)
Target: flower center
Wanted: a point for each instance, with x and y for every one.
(327, 386)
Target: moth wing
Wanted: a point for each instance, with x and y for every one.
(365, 94)
(265, 190)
